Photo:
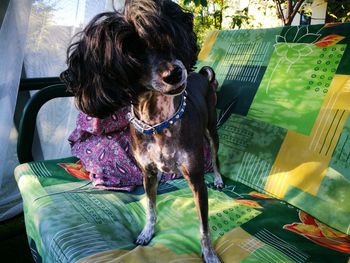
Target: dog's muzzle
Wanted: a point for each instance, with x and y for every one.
(174, 76)
(175, 79)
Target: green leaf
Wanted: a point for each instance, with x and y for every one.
(204, 2)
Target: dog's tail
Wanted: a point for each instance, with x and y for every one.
(208, 72)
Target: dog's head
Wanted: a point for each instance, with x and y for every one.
(149, 45)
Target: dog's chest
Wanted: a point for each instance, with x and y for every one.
(161, 150)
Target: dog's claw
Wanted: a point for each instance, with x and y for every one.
(211, 257)
(212, 260)
(218, 183)
(144, 238)
(142, 241)
(219, 186)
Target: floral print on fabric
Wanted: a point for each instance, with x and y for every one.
(76, 169)
(104, 148)
(320, 233)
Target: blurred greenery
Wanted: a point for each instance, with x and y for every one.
(338, 11)
(205, 19)
(209, 14)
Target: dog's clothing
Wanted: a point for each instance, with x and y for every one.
(103, 146)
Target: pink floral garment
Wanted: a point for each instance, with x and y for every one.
(104, 148)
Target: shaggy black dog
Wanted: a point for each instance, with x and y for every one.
(143, 57)
(108, 65)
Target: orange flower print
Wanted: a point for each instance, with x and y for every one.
(329, 41)
(250, 203)
(259, 195)
(75, 169)
(319, 233)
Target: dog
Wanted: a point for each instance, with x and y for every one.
(144, 57)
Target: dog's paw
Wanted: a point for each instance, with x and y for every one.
(210, 257)
(145, 236)
(218, 183)
(212, 260)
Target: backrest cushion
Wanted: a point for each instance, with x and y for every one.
(283, 104)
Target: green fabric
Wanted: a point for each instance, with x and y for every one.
(67, 221)
(315, 68)
(283, 104)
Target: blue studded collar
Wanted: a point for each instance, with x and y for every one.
(148, 129)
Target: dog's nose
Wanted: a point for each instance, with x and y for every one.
(174, 76)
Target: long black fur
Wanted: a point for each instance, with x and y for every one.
(108, 62)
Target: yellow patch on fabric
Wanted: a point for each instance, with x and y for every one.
(142, 254)
(343, 85)
(233, 246)
(208, 44)
(303, 161)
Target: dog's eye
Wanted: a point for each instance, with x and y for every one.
(135, 47)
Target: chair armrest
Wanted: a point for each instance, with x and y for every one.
(29, 116)
(38, 83)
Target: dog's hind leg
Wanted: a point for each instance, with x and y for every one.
(212, 137)
(211, 133)
(150, 183)
(196, 182)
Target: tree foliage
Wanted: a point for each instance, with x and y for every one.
(338, 11)
(197, 2)
(209, 15)
(41, 20)
(239, 18)
(286, 10)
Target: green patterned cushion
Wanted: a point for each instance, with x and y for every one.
(68, 221)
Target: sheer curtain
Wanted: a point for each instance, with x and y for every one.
(13, 34)
(39, 32)
(52, 25)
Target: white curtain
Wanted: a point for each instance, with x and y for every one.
(39, 32)
(13, 34)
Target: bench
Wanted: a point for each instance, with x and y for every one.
(284, 127)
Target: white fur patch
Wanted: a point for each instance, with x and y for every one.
(167, 133)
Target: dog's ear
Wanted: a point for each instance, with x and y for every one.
(165, 27)
(182, 33)
(102, 65)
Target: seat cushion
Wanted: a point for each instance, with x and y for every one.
(67, 220)
(284, 113)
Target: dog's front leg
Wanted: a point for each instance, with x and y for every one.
(150, 183)
(196, 183)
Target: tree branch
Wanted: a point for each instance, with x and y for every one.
(289, 8)
(280, 11)
(295, 10)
